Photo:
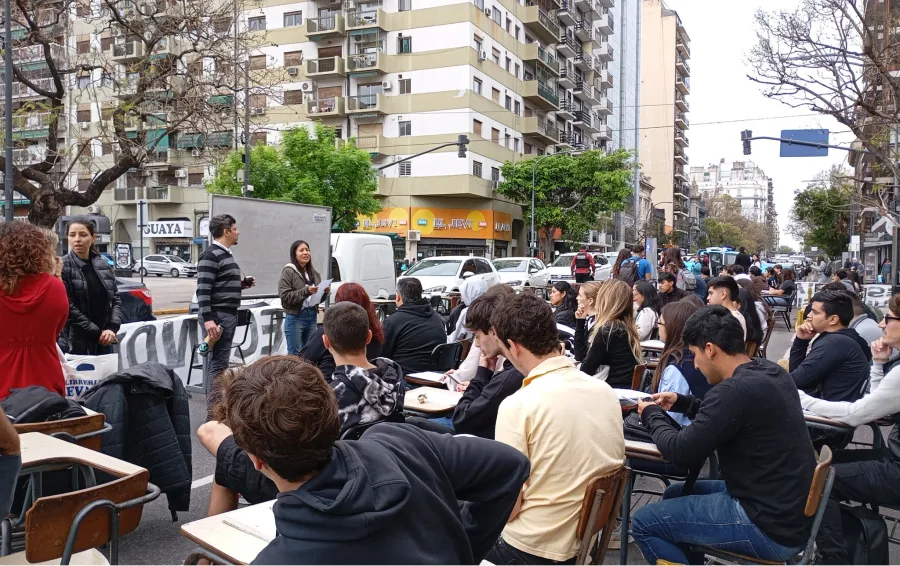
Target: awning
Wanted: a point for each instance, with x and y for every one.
(31, 134)
(222, 100)
(219, 139)
(159, 137)
(367, 31)
(156, 119)
(189, 141)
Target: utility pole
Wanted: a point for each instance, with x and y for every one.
(248, 191)
(7, 107)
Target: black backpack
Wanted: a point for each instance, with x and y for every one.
(38, 404)
(628, 271)
(865, 534)
(827, 271)
(582, 261)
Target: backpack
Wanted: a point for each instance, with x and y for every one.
(582, 261)
(688, 279)
(628, 271)
(827, 271)
(865, 534)
(36, 404)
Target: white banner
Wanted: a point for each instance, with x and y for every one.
(877, 296)
(170, 341)
(168, 229)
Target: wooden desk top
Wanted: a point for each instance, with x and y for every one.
(39, 449)
(437, 400)
(226, 540)
(643, 451)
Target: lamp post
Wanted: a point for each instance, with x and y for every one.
(7, 106)
(533, 247)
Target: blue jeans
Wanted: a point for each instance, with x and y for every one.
(708, 517)
(298, 328)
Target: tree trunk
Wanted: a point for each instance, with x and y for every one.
(46, 207)
(546, 244)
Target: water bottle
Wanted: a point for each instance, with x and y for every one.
(206, 346)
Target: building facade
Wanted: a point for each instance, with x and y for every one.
(743, 181)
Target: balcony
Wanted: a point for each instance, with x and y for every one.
(596, 38)
(680, 207)
(568, 46)
(564, 139)
(583, 60)
(366, 105)
(325, 107)
(682, 65)
(680, 175)
(681, 139)
(683, 47)
(588, 120)
(541, 94)
(127, 52)
(584, 5)
(567, 13)
(582, 29)
(538, 56)
(566, 110)
(599, 4)
(541, 129)
(683, 84)
(681, 120)
(29, 155)
(373, 144)
(605, 132)
(682, 104)
(168, 194)
(34, 121)
(22, 91)
(368, 63)
(606, 23)
(328, 27)
(329, 67)
(567, 76)
(682, 190)
(584, 92)
(542, 24)
(680, 156)
(605, 108)
(605, 80)
(32, 53)
(606, 51)
(365, 19)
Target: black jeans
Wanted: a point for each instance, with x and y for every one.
(864, 476)
(582, 277)
(218, 359)
(503, 553)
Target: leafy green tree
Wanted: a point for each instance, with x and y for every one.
(570, 191)
(308, 168)
(785, 250)
(821, 213)
(726, 225)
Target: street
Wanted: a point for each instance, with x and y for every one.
(169, 292)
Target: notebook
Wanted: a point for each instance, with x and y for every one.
(255, 520)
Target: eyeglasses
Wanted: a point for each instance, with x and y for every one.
(663, 323)
(888, 318)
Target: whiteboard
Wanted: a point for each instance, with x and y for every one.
(267, 229)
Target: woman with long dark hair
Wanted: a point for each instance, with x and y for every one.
(315, 352)
(751, 317)
(647, 306)
(624, 254)
(299, 281)
(95, 308)
(676, 371)
(564, 298)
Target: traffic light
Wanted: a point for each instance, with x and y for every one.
(462, 142)
(745, 137)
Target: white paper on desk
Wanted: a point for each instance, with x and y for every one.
(630, 394)
(316, 297)
(256, 520)
(434, 376)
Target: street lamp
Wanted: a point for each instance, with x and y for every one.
(533, 170)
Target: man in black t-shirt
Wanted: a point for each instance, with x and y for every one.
(752, 419)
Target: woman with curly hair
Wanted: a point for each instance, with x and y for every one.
(33, 308)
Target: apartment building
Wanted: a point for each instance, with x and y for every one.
(743, 181)
(665, 86)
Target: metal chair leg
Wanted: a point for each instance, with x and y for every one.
(625, 516)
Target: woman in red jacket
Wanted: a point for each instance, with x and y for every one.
(33, 309)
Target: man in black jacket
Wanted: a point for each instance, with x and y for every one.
(414, 331)
(476, 412)
(753, 420)
(668, 291)
(393, 496)
(743, 259)
(837, 366)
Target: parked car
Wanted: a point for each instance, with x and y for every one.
(160, 265)
(137, 302)
(445, 274)
(520, 272)
(561, 269)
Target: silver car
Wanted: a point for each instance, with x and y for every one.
(160, 265)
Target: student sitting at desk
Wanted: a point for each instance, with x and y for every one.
(567, 423)
(752, 418)
(676, 371)
(864, 476)
(390, 497)
(366, 392)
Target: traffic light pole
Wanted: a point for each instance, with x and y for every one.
(747, 137)
(461, 143)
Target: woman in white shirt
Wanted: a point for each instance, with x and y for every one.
(647, 305)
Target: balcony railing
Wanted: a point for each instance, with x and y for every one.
(322, 106)
(362, 102)
(19, 89)
(548, 59)
(322, 25)
(362, 61)
(548, 22)
(362, 18)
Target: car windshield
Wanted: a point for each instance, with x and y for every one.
(510, 265)
(563, 261)
(175, 259)
(434, 268)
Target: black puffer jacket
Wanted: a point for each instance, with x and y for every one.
(147, 407)
(81, 333)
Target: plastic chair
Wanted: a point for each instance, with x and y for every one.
(602, 499)
(446, 357)
(816, 501)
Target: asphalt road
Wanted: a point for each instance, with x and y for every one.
(169, 292)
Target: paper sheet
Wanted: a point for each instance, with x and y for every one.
(434, 376)
(316, 297)
(630, 394)
(256, 520)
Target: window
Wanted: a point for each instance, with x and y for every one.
(404, 6)
(476, 85)
(84, 81)
(256, 24)
(508, 104)
(195, 179)
(293, 58)
(405, 169)
(292, 19)
(83, 185)
(518, 31)
(479, 44)
(293, 97)
(106, 43)
(222, 25)
(506, 141)
(508, 65)
(495, 15)
(259, 138)
(517, 108)
(518, 68)
(495, 55)
(495, 135)
(257, 62)
(106, 112)
(482, 267)
(508, 25)
(338, 133)
(404, 44)
(476, 168)
(106, 148)
(476, 127)
(516, 145)
(527, 149)
(495, 95)
(83, 47)
(405, 86)
(405, 128)
(495, 174)
(83, 9)
(258, 101)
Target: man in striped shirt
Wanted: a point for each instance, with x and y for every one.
(219, 285)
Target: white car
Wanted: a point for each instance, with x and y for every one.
(160, 265)
(440, 275)
(561, 269)
(519, 272)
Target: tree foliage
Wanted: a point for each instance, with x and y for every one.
(782, 249)
(820, 216)
(570, 191)
(725, 225)
(308, 168)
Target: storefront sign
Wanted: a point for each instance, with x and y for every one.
(502, 226)
(440, 223)
(386, 221)
(168, 229)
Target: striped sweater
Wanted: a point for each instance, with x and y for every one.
(219, 283)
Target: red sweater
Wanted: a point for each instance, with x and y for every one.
(32, 318)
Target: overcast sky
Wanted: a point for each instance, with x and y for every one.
(722, 33)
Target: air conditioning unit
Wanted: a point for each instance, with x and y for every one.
(257, 111)
(195, 153)
(85, 125)
(117, 32)
(94, 209)
(293, 71)
(487, 12)
(180, 174)
(308, 86)
(482, 56)
(386, 85)
(414, 235)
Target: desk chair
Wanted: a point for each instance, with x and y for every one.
(446, 357)
(780, 309)
(819, 492)
(639, 378)
(765, 343)
(598, 514)
(83, 431)
(243, 321)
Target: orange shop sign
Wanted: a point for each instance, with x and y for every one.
(440, 223)
(386, 221)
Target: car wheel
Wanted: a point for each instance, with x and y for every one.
(142, 272)
(174, 272)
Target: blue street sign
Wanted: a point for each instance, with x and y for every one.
(809, 136)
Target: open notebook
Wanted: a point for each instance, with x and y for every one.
(256, 520)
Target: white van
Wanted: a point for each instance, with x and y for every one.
(367, 259)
